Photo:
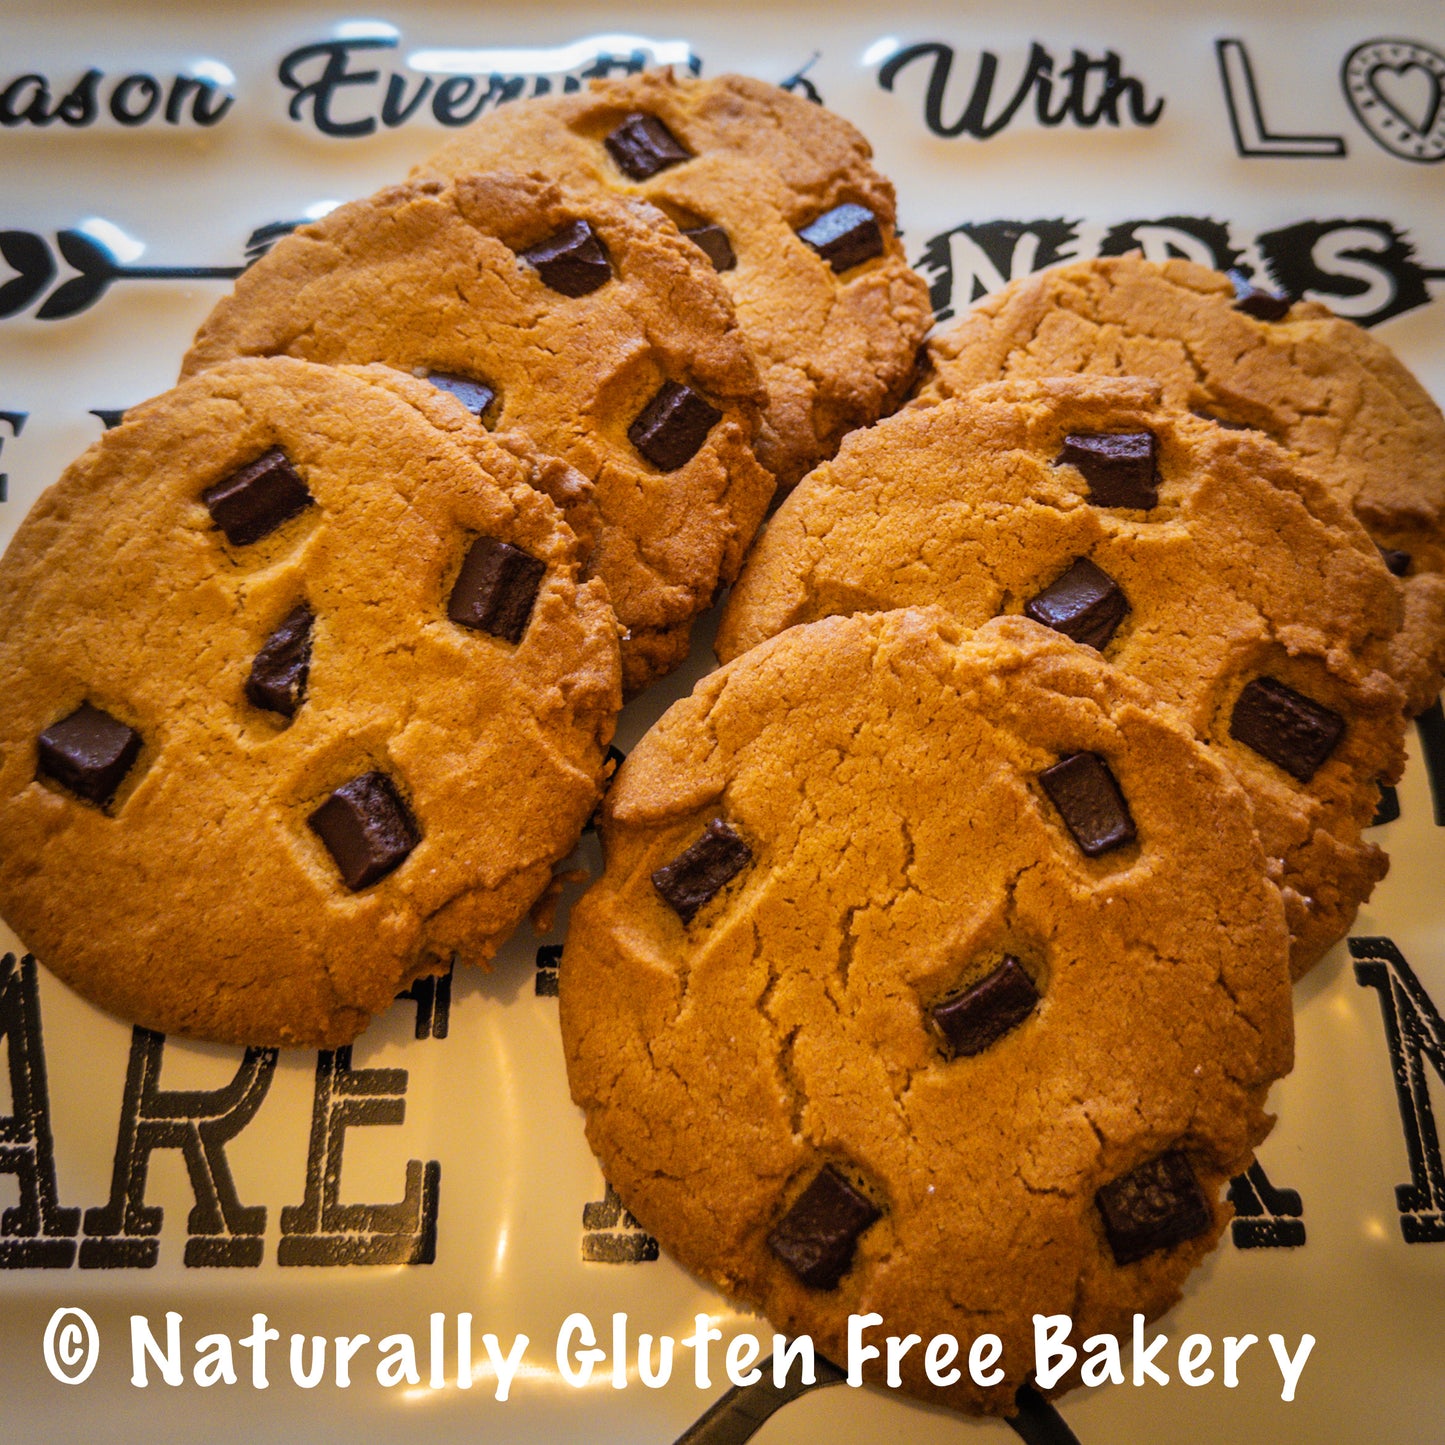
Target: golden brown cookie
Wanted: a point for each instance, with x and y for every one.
(303, 697)
(921, 961)
(1317, 384)
(596, 330)
(1243, 594)
(835, 325)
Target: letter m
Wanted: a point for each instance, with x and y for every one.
(1416, 1037)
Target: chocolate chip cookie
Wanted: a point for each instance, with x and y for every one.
(934, 975)
(1317, 384)
(783, 199)
(304, 697)
(583, 320)
(1206, 562)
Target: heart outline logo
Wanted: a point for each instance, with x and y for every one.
(1382, 106)
(1421, 122)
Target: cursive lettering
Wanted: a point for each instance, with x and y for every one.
(1084, 91)
(130, 100)
(335, 90)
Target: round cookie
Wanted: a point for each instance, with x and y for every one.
(835, 332)
(796, 969)
(1247, 597)
(612, 348)
(1317, 384)
(304, 697)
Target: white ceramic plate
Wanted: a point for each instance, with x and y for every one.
(1302, 138)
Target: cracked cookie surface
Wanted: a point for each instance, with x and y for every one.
(337, 786)
(1247, 567)
(434, 279)
(835, 346)
(857, 805)
(1314, 382)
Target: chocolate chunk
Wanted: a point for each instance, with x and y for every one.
(817, 1236)
(367, 829)
(1285, 726)
(1256, 301)
(715, 245)
(700, 871)
(1153, 1207)
(970, 1021)
(277, 681)
(1083, 789)
(673, 426)
(573, 261)
(1118, 466)
(642, 146)
(253, 502)
(845, 237)
(1085, 603)
(1397, 563)
(496, 588)
(89, 753)
(476, 396)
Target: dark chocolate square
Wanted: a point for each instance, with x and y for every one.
(1084, 603)
(253, 502)
(970, 1021)
(277, 681)
(1083, 789)
(1285, 726)
(573, 261)
(642, 146)
(496, 588)
(475, 395)
(1121, 468)
(1155, 1206)
(715, 245)
(367, 829)
(1256, 301)
(89, 752)
(672, 427)
(845, 237)
(817, 1237)
(698, 872)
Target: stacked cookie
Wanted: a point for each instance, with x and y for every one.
(686, 370)
(304, 693)
(1322, 387)
(934, 976)
(1205, 561)
(941, 962)
(585, 321)
(767, 185)
(313, 662)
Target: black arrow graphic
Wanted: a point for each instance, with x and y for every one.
(30, 256)
(99, 269)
